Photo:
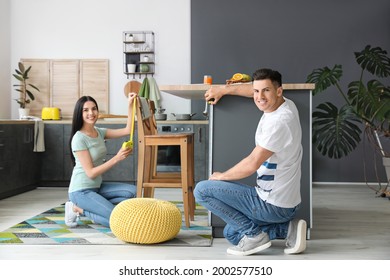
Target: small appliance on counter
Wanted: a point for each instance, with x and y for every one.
(51, 113)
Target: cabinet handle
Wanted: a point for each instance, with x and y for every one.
(199, 134)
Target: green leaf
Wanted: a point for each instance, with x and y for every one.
(18, 77)
(21, 67)
(29, 93)
(324, 77)
(335, 133)
(34, 87)
(374, 60)
(371, 103)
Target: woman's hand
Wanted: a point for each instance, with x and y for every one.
(131, 97)
(123, 153)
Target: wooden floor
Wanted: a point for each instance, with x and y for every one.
(349, 223)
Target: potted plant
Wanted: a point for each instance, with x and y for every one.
(337, 131)
(24, 89)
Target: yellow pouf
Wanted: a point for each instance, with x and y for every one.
(145, 220)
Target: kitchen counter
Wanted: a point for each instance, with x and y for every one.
(101, 121)
(16, 121)
(197, 91)
(226, 122)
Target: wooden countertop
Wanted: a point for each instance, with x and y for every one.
(16, 121)
(197, 91)
(100, 121)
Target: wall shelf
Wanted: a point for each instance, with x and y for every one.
(138, 50)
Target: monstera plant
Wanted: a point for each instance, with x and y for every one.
(337, 131)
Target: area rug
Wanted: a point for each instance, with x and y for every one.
(48, 228)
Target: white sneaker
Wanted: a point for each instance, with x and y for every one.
(70, 215)
(296, 237)
(250, 245)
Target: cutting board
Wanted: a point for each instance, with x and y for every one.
(132, 86)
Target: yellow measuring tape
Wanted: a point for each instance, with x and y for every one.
(129, 144)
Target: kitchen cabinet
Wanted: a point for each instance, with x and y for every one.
(53, 159)
(201, 149)
(125, 170)
(228, 125)
(62, 81)
(230, 140)
(57, 165)
(19, 165)
(138, 50)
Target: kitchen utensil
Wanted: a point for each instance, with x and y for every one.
(129, 144)
(132, 86)
(51, 113)
(183, 117)
(160, 116)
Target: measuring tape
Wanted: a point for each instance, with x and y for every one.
(129, 144)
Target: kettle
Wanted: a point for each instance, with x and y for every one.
(51, 113)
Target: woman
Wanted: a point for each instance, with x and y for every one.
(88, 195)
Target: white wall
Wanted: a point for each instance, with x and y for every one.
(93, 29)
(5, 71)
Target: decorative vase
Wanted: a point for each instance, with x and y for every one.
(144, 68)
(23, 113)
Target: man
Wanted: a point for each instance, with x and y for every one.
(256, 215)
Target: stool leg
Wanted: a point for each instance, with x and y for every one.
(184, 181)
(190, 178)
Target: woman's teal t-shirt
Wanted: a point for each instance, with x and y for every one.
(97, 149)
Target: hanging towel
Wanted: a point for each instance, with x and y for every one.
(154, 92)
(144, 108)
(39, 139)
(145, 89)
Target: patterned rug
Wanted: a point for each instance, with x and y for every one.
(48, 228)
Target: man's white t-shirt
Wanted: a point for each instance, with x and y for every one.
(279, 178)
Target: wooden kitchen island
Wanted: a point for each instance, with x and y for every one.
(232, 125)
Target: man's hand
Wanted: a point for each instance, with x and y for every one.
(214, 94)
(216, 176)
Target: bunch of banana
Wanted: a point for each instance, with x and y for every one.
(239, 78)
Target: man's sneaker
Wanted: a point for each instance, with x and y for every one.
(296, 237)
(250, 245)
(70, 215)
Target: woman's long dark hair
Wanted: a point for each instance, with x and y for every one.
(77, 121)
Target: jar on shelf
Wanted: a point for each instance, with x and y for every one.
(146, 58)
(144, 68)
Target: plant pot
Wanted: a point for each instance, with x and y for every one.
(23, 113)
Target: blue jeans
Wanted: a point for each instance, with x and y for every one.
(243, 211)
(98, 203)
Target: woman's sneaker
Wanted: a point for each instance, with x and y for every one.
(70, 215)
(250, 245)
(296, 237)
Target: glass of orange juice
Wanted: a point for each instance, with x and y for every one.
(208, 79)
